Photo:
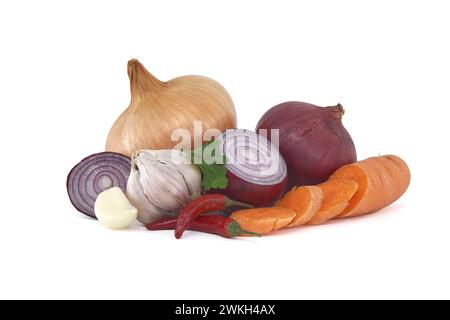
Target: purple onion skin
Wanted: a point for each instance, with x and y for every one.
(313, 140)
(254, 194)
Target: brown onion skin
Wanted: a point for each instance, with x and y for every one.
(254, 194)
(313, 140)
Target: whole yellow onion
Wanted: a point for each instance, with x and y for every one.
(158, 108)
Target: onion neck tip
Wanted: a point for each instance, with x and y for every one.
(338, 110)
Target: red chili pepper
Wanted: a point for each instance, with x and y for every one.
(215, 224)
(203, 204)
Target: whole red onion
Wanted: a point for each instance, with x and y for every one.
(312, 140)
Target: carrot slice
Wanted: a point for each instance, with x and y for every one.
(336, 196)
(381, 181)
(263, 220)
(305, 201)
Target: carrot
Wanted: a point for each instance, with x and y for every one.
(305, 201)
(381, 181)
(336, 196)
(263, 220)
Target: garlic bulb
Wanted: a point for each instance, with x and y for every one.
(161, 182)
(158, 108)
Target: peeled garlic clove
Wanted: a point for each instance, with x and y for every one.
(147, 212)
(113, 209)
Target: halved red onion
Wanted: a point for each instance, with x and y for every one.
(257, 173)
(95, 174)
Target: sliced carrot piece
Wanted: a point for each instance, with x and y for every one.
(336, 196)
(263, 220)
(381, 181)
(305, 201)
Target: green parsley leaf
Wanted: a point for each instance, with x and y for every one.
(214, 175)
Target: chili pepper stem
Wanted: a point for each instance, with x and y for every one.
(235, 230)
(228, 203)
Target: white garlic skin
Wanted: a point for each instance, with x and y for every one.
(161, 183)
(113, 209)
(147, 212)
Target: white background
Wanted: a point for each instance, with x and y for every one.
(63, 82)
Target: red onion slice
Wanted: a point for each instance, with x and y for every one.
(252, 157)
(95, 174)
